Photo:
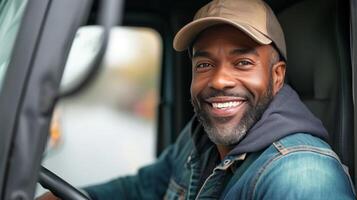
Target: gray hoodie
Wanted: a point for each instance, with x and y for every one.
(285, 115)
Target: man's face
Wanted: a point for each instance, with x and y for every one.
(232, 82)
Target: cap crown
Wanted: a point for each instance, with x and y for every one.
(254, 17)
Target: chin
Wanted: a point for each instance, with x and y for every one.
(225, 134)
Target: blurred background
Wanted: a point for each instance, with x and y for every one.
(107, 130)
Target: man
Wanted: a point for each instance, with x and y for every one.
(251, 138)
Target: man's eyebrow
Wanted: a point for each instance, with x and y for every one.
(242, 51)
(199, 53)
(238, 51)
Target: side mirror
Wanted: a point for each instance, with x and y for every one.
(90, 45)
(84, 58)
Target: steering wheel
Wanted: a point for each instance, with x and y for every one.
(59, 187)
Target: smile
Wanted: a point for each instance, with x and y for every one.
(224, 105)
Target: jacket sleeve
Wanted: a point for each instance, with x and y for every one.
(303, 175)
(150, 182)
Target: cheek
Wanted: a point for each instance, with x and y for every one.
(194, 88)
(193, 84)
(197, 86)
(257, 83)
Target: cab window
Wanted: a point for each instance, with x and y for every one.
(109, 128)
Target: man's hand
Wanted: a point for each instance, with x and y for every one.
(47, 196)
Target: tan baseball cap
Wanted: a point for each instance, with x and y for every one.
(253, 17)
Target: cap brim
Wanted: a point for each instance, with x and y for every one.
(189, 32)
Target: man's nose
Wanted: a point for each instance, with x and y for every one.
(222, 79)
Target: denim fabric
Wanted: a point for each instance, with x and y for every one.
(299, 166)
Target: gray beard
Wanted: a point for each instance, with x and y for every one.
(229, 136)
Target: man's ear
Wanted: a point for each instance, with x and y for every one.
(278, 75)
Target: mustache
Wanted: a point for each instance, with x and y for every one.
(219, 93)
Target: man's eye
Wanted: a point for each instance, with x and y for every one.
(243, 63)
(202, 66)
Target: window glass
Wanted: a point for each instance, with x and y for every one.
(11, 12)
(108, 129)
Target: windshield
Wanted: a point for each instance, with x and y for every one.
(11, 12)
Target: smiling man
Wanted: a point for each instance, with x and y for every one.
(252, 137)
(234, 81)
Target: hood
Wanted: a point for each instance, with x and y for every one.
(285, 115)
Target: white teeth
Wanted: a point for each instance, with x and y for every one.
(226, 104)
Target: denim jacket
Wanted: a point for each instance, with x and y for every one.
(282, 156)
(299, 166)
